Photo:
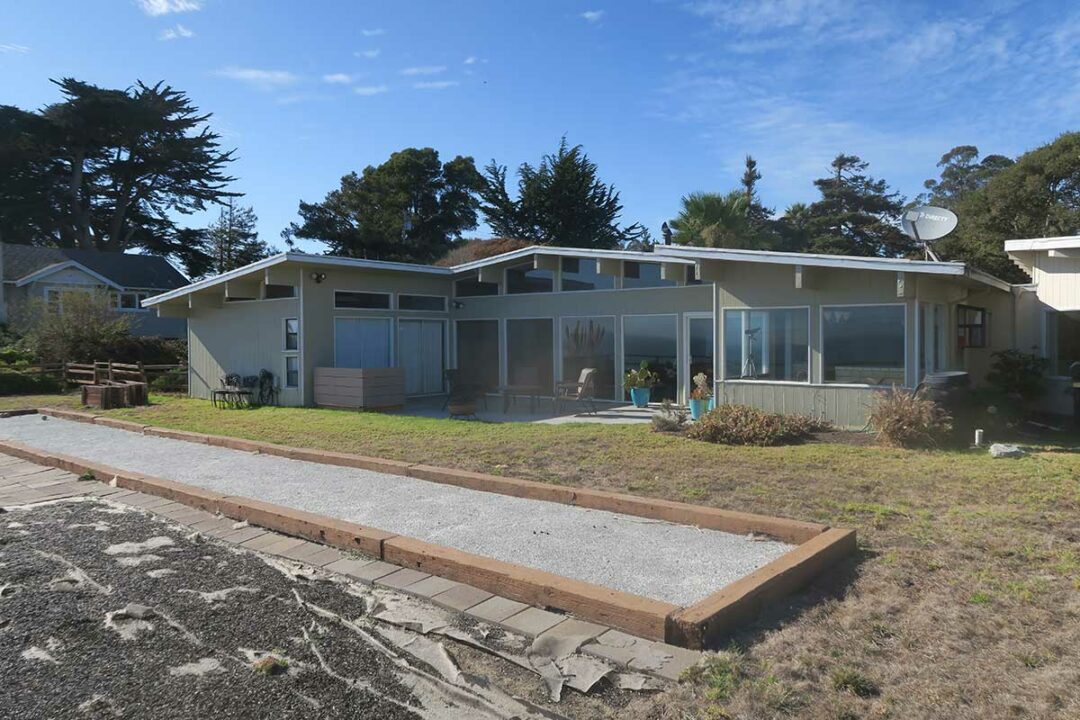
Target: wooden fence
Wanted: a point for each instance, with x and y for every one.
(97, 372)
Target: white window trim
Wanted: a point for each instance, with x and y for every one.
(138, 301)
(285, 335)
(721, 341)
(285, 371)
(389, 300)
(397, 302)
(821, 341)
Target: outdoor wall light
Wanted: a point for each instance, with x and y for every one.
(318, 277)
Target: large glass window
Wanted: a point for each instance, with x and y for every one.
(478, 352)
(292, 334)
(767, 344)
(653, 339)
(1062, 342)
(589, 342)
(433, 303)
(583, 274)
(472, 287)
(864, 344)
(530, 354)
(292, 371)
(972, 324)
(361, 300)
(701, 348)
(525, 278)
(642, 275)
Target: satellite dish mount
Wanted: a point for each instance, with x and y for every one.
(926, 223)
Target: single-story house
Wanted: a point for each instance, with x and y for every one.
(783, 331)
(45, 273)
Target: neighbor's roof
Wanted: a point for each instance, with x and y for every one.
(662, 254)
(151, 272)
(1052, 243)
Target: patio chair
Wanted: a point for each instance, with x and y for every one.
(233, 392)
(460, 389)
(583, 391)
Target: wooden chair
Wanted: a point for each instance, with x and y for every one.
(583, 391)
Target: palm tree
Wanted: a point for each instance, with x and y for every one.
(714, 220)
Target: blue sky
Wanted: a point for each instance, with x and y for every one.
(666, 96)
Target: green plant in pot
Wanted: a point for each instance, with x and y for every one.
(700, 396)
(639, 383)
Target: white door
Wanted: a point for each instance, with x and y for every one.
(421, 350)
(361, 342)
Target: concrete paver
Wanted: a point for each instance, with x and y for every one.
(496, 609)
(532, 621)
(461, 597)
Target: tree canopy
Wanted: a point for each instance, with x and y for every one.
(562, 201)
(230, 242)
(411, 208)
(108, 169)
(713, 220)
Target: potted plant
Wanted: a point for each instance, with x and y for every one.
(700, 396)
(639, 382)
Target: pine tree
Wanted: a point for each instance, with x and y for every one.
(232, 240)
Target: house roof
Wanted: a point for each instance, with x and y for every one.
(1052, 243)
(661, 254)
(127, 270)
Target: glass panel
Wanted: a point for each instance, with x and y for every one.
(292, 371)
(701, 349)
(422, 302)
(128, 301)
(864, 345)
(654, 340)
(529, 351)
(1063, 342)
(524, 279)
(589, 342)
(640, 275)
(273, 292)
(581, 274)
(478, 352)
(767, 344)
(361, 343)
(471, 287)
(292, 334)
(932, 322)
(362, 300)
(971, 326)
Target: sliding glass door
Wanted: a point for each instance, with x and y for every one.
(478, 352)
(530, 352)
(589, 342)
(654, 340)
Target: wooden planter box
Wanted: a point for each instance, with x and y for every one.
(105, 397)
(362, 388)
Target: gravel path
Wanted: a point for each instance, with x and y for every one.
(675, 563)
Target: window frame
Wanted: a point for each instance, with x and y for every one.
(556, 279)
(961, 327)
(388, 295)
(285, 374)
(722, 337)
(285, 336)
(821, 342)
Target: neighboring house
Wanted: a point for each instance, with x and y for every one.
(45, 273)
(1048, 310)
(789, 332)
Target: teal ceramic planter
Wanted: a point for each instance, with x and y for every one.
(640, 396)
(712, 403)
(698, 408)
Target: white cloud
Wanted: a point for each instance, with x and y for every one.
(165, 7)
(337, 79)
(435, 85)
(176, 33)
(260, 79)
(369, 90)
(373, 32)
(593, 16)
(11, 48)
(368, 54)
(424, 70)
(472, 60)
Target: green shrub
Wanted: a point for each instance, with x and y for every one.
(173, 381)
(903, 419)
(1018, 374)
(13, 382)
(745, 425)
(84, 328)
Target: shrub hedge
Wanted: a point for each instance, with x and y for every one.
(745, 425)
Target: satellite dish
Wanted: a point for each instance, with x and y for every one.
(926, 222)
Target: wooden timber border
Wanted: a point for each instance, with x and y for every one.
(695, 626)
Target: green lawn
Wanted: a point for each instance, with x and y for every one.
(964, 603)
